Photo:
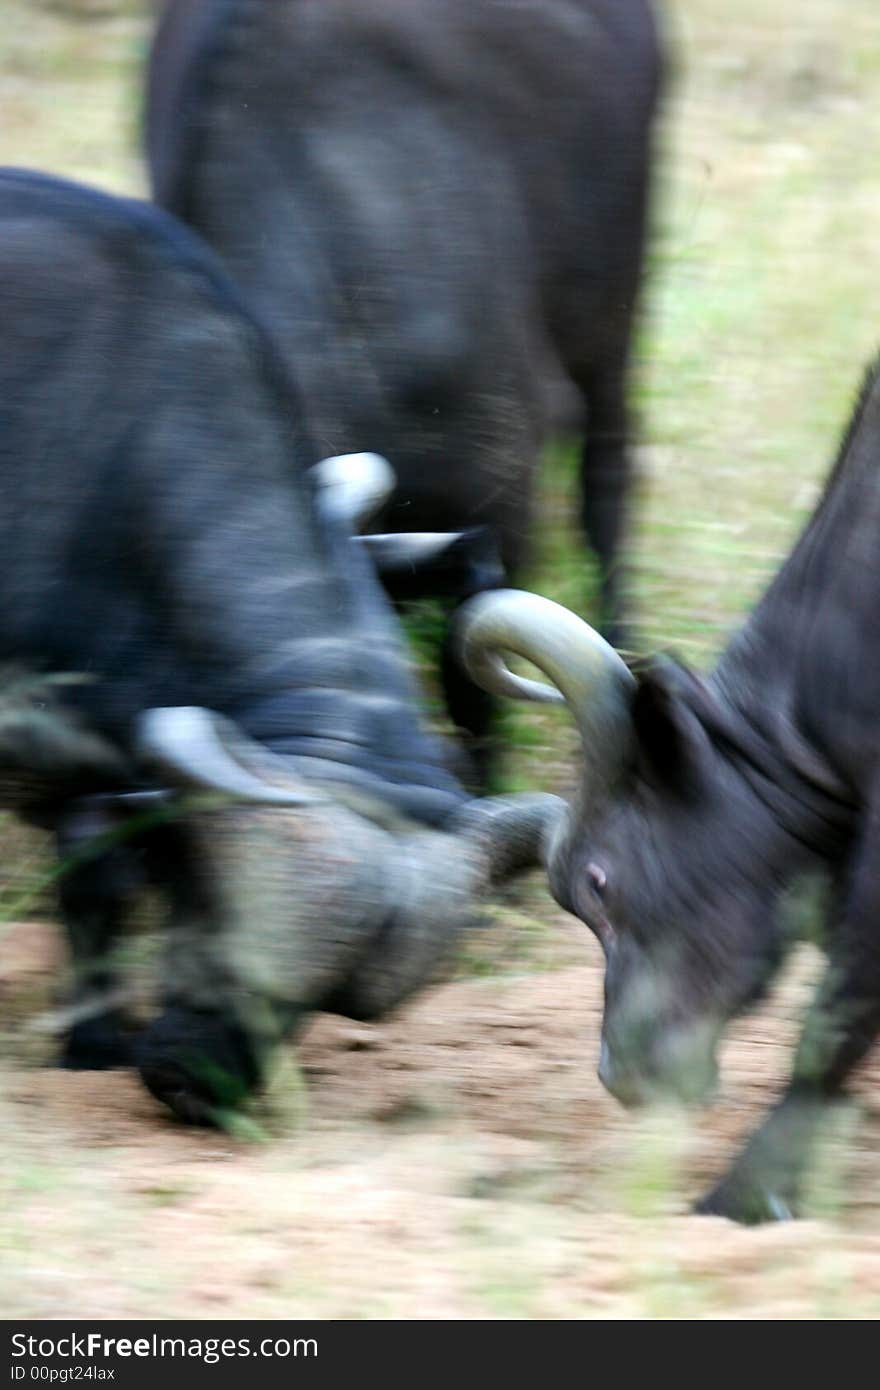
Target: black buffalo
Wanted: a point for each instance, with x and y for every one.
(437, 205)
(703, 798)
(184, 606)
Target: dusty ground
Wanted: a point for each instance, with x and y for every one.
(460, 1161)
(463, 1160)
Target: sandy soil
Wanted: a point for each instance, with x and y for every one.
(460, 1161)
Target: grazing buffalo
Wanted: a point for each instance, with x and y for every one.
(702, 798)
(437, 205)
(186, 610)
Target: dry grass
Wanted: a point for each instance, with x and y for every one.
(763, 305)
(70, 92)
(461, 1161)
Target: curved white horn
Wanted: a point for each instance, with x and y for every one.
(352, 487)
(192, 744)
(405, 550)
(586, 672)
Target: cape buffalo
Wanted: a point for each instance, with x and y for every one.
(702, 798)
(437, 205)
(190, 586)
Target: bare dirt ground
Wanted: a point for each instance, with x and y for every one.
(462, 1160)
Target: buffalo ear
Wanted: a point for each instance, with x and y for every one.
(672, 745)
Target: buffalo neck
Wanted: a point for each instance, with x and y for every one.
(802, 677)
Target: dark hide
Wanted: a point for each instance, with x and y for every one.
(737, 783)
(156, 521)
(437, 204)
(159, 539)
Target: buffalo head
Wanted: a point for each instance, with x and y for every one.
(666, 852)
(296, 897)
(292, 884)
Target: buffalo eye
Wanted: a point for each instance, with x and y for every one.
(598, 879)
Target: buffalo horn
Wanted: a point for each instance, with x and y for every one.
(407, 550)
(199, 748)
(352, 487)
(586, 672)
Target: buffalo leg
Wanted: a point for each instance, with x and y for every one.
(471, 709)
(470, 563)
(94, 897)
(766, 1182)
(605, 479)
(206, 1050)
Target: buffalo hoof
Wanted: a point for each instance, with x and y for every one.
(98, 1044)
(749, 1204)
(200, 1065)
